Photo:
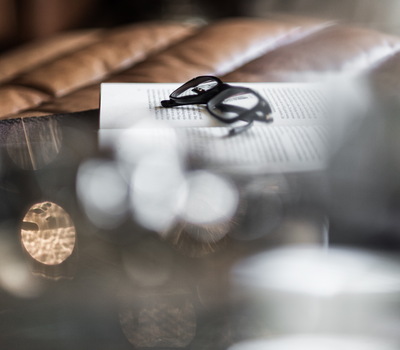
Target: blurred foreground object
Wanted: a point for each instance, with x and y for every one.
(364, 175)
(319, 292)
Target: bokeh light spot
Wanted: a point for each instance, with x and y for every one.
(103, 192)
(48, 233)
(210, 199)
(159, 322)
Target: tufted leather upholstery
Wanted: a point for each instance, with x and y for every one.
(62, 74)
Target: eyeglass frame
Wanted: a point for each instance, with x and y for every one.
(260, 112)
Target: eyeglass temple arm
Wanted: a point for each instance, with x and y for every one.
(169, 103)
(239, 129)
(172, 103)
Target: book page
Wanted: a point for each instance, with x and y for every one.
(122, 105)
(275, 149)
(295, 141)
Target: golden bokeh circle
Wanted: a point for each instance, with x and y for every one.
(48, 233)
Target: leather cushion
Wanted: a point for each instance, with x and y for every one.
(62, 74)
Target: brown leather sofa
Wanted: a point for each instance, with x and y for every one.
(62, 73)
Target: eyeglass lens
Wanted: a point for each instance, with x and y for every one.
(229, 106)
(197, 87)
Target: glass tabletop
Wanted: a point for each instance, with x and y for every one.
(101, 254)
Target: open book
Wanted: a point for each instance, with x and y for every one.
(295, 141)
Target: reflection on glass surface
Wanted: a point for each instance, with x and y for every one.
(166, 321)
(261, 209)
(199, 240)
(48, 233)
(148, 263)
(33, 146)
(209, 204)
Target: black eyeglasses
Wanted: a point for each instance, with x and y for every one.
(225, 102)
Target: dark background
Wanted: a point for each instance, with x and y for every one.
(24, 20)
